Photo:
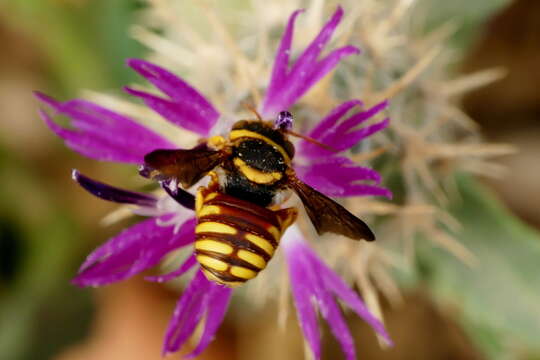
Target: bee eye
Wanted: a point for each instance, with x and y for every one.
(284, 121)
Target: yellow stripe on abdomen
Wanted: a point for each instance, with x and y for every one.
(208, 210)
(261, 242)
(215, 227)
(252, 258)
(242, 272)
(212, 263)
(274, 232)
(214, 246)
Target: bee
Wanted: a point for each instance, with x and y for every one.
(239, 219)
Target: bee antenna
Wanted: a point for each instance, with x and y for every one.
(311, 140)
(251, 108)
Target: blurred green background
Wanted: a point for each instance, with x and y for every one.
(47, 224)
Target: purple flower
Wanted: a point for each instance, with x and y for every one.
(330, 173)
(315, 286)
(102, 134)
(289, 83)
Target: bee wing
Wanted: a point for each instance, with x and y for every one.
(187, 166)
(327, 215)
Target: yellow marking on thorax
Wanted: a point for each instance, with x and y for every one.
(208, 210)
(255, 175)
(242, 272)
(261, 242)
(252, 258)
(215, 227)
(212, 263)
(237, 134)
(213, 245)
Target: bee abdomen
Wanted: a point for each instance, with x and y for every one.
(236, 239)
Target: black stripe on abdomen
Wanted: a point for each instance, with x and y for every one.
(236, 240)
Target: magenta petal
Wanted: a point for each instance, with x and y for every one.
(349, 139)
(286, 87)
(102, 134)
(91, 146)
(331, 312)
(302, 293)
(281, 62)
(182, 269)
(111, 193)
(199, 298)
(362, 190)
(218, 303)
(314, 49)
(302, 79)
(339, 132)
(338, 167)
(329, 121)
(187, 314)
(349, 297)
(360, 117)
(132, 251)
(179, 113)
(315, 285)
(339, 177)
(185, 107)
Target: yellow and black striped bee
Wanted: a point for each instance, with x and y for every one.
(239, 222)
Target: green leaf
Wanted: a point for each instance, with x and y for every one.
(85, 44)
(500, 297)
(49, 243)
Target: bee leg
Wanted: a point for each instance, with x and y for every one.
(286, 217)
(213, 185)
(204, 191)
